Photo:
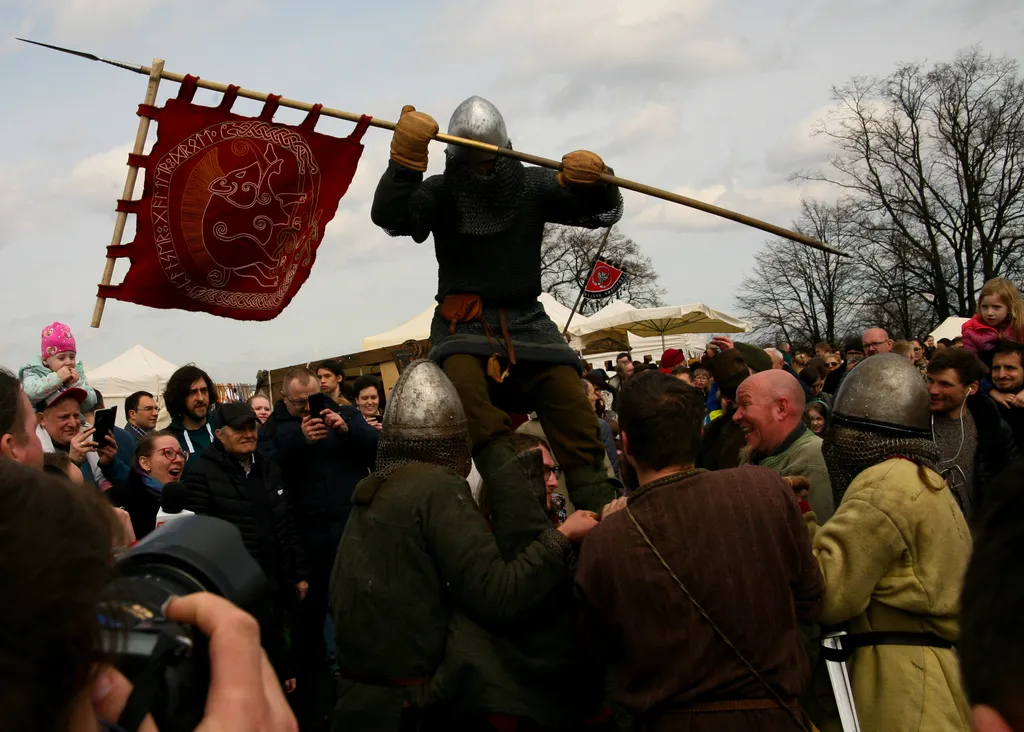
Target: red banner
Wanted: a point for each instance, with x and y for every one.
(605, 280)
(233, 208)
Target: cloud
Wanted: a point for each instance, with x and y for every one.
(97, 21)
(776, 204)
(16, 182)
(581, 49)
(97, 181)
(653, 124)
(800, 147)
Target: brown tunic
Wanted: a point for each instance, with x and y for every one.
(737, 541)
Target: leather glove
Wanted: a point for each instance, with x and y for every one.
(581, 168)
(413, 134)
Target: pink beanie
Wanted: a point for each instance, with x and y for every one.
(57, 338)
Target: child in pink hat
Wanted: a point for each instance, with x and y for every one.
(56, 367)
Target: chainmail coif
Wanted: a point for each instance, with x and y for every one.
(849, 451)
(450, 452)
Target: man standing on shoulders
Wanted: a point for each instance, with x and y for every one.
(190, 395)
(974, 443)
(141, 414)
(671, 667)
(18, 439)
(770, 410)
(876, 340)
(1008, 378)
(322, 457)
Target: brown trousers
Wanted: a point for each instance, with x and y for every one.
(553, 391)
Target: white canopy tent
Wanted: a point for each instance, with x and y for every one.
(418, 328)
(677, 327)
(137, 369)
(950, 328)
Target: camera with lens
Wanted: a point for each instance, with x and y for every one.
(168, 663)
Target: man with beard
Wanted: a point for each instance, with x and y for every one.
(416, 550)
(893, 555)
(680, 640)
(1008, 378)
(490, 334)
(974, 443)
(190, 394)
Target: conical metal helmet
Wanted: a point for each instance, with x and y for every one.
(476, 119)
(423, 406)
(884, 391)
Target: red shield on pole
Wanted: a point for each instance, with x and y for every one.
(605, 280)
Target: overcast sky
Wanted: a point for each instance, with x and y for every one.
(711, 98)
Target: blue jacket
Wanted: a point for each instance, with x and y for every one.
(320, 477)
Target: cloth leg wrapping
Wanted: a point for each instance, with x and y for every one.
(486, 422)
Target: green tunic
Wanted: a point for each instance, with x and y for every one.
(415, 548)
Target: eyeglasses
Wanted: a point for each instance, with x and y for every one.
(832, 364)
(555, 471)
(297, 403)
(148, 409)
(170, 453)
(874, 345)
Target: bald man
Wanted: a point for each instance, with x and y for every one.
(770, 410)
(876, 340)
(778, 361)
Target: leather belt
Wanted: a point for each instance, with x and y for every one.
(850, 643)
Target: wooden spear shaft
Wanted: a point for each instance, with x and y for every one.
(155, 74)
(526, 158)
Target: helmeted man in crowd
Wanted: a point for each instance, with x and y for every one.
(1008, 379)
(973, 441)
(490, 334)
(893, 555)
(190, 397)
(416, 548)
(770, 410)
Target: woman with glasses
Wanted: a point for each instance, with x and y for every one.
(159, 460)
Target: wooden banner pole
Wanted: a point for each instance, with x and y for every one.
(629, 185)
(155, 74)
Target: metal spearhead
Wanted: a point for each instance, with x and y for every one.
(92, 57)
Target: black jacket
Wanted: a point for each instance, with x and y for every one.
(1014, 417)
(320, 477)
(134, 497)
(256, 503)
(996, 448)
